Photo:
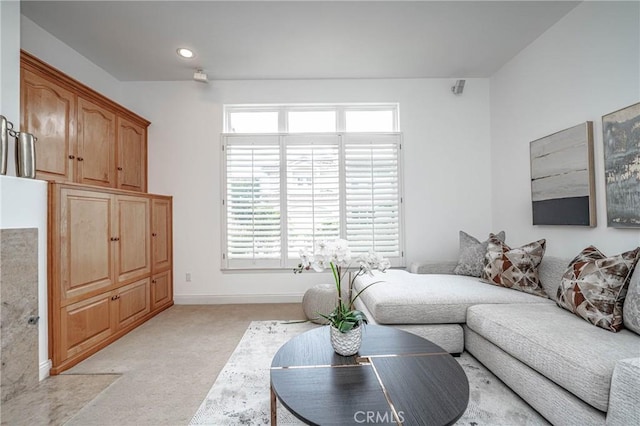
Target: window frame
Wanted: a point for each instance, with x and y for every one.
(284, 109)
(231, 265)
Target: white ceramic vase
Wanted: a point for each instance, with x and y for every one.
(346, 344)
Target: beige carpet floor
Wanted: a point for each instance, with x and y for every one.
(157, 375)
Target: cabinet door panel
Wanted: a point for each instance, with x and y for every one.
(132, 303)
(85, 241)
(134, 233)
(96, 144)
(49, 112)
(161, 233)
(85, 324)
(161, 290)
(132, 156)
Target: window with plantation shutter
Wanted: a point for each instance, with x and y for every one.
(372, 194)
(289, 190)
(312, 191)
(253, 229)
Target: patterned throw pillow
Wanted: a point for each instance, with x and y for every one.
(471, 255)
(515, 268)
(594, 286)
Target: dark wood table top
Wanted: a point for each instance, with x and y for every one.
(396, 378)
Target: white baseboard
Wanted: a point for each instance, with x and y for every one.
(45, 366)
(211, 299)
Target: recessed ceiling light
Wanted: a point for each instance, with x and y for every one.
(185, 53)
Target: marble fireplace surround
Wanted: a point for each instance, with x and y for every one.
(18, 311)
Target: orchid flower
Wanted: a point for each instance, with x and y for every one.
(335, 255)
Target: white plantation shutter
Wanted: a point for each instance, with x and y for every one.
(253, 220)
(284, 193)
(373, 194)
(313, 191)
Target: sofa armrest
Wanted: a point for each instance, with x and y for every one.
(437, 267)
(624, 397)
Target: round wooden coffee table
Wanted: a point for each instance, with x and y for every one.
(396, 378)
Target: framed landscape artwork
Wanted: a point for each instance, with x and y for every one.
(562, 178)
(621, 140)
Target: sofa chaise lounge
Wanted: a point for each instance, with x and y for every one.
(570, 371)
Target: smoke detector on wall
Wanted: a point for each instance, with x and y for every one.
(200, 76)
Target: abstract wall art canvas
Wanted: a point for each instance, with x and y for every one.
(621, 140)
(562, 178)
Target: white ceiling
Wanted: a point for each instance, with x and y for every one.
(137, 40)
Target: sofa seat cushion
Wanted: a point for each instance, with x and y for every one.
(559, 345)
(404, 298)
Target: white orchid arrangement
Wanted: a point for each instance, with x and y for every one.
(337, 256)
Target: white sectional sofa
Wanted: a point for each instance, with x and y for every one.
(570, 371)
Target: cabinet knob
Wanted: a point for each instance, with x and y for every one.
(154, 234)
(71, 157)
(114, 297)
(120, 168)
(80, 159)
(116, 239)
(153, 281)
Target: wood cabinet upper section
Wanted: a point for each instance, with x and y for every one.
(82, 135)
(132, 155)
(96, 150)
(48, 110)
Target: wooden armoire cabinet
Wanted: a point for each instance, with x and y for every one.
(110, 243)
(110, 266)
(83, 136)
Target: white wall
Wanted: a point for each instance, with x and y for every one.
(446, 141)
(10, 69)
(582, 68)
(46, 47)
(466, 157)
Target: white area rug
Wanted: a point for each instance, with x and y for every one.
(240, 395)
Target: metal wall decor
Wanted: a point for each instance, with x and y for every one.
(25, 150)
(621, 140)
(25, 155)
(562, 178)
(5, 127)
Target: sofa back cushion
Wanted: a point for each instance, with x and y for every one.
(631, 308)
(551, 270)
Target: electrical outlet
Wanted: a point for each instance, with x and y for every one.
(188, 277)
